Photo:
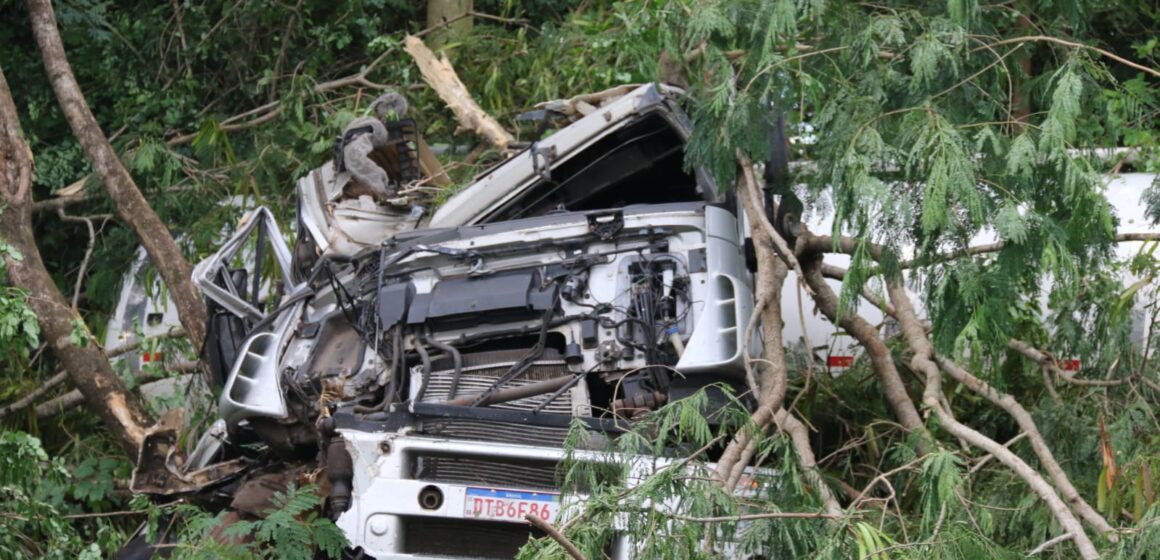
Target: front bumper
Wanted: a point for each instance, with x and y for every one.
(393, 514)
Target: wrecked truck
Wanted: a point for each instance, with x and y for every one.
(433, 363)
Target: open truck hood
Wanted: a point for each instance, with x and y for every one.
(342, 225)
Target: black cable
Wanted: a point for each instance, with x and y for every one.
(426, 375)
(572, 383)
(525, 363)
(456, 358)
(396, 367)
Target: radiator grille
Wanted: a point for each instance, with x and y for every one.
(494, 432)
(464, 538)
(481, 369)
(488, 471)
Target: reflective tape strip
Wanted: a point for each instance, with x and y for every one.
(840, 361)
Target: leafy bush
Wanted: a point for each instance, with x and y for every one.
(33, 526)
(291, 530)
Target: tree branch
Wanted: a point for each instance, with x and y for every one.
(740, 450)
(31, 397)
(1038, 444)
(557, 536)
(64, 402)
(1074, 45)
(770, 390)
(923, 362)
(893, 388)
(62, 376)
(131, 206)
(88, 221)
(753, 516)
(1049, 543)
(749, 189)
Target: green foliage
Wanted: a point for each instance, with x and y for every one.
(19, 331)
(654, 482)
(923, 128)
(291, 530)
(940, 478)
(33, 526)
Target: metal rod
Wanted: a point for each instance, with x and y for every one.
(514, 393)
(560, 391)
(258, 255)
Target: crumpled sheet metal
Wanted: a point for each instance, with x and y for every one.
(160, 464)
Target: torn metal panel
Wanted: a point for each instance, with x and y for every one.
(212, 275)
(162, 469)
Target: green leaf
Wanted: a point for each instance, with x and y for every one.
(1011, 224)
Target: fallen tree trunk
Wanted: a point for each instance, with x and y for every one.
(130, 204)
(442, 78)
(61, 327)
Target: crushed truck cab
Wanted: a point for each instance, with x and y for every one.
(432, 365)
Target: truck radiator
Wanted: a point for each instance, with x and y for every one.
(481, 370)
(493, 432)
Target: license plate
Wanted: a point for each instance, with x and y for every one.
(510, 505)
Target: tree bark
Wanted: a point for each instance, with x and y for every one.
(131, 206)
(87, 366)
(449, 21)
(893, 388)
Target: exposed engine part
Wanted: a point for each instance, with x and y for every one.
(339, 470)
(574, 286)
(639, 403)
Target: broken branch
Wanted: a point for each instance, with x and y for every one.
(439, 74)
(557, 536)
